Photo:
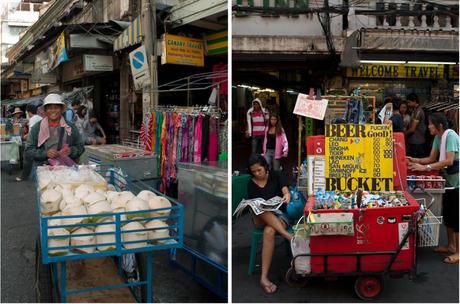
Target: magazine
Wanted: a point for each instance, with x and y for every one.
(259, 205)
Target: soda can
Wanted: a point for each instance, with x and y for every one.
(439, 183)
(429, 182)
(411, 182)
(421, 181)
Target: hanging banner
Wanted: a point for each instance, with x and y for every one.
(182, 50)
(58, 52)
(308, 107)
(359, 156)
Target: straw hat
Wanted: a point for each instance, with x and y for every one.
(17, 110)
(53, 99)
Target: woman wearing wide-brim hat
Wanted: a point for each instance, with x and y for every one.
(17, 115)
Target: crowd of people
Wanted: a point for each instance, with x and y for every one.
(54, 130)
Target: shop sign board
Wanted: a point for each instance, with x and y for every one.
(309, 107)
(73, 69)
(359, 156)
(453, 71)
(139, 67)
(435, 71)
(182, 50)
(97, 63)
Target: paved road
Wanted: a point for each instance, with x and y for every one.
(19, 229)
(437, 282)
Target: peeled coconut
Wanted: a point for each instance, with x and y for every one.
(154, 235)
(159, 202)
(74, 210)
(146, 195)
(136, 204)
(50, 200)
(123, 216)
(71, 200)
(105, 238)
(92, 198)
(83, 190)
(111, 195)
(125, 196)
(43, 182)
(58, 242)
(99, 207)
(118, 202)
(83, 240)
(134, 236)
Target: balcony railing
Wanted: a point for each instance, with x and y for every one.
(415, 15)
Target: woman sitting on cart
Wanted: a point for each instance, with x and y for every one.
(265, 185)
(53, 131)
(444, 156)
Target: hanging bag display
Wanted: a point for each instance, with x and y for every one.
(300, 247)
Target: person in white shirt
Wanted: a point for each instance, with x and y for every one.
(33, 118)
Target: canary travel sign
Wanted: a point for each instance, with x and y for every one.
(359, 156)
(182, 50)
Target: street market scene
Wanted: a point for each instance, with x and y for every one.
(114, 151)
(345, 151)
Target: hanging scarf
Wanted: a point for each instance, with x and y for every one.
(153, 128)
(197, 140)
(44, 132)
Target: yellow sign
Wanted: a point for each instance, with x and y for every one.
(397, 71)
(182, 50)
(359, 156)
(453, 71)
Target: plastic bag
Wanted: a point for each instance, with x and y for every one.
(300, 245)
(295, 207)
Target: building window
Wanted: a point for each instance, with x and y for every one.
(16, 30)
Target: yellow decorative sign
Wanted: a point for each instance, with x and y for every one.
(359, 156)
(182, 50)
(397, 71)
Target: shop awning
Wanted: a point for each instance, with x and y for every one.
(217, 43)
(130, 36)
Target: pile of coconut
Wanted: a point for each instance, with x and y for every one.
(62, 200)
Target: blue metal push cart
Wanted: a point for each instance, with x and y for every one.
(51, 269)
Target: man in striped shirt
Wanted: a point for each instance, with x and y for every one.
(257, 118)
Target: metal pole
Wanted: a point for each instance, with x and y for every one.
(299, 149)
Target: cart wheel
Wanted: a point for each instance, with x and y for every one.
(43, 280)
(295, 280)
(368, 288)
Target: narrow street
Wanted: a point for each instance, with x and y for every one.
(19, 231)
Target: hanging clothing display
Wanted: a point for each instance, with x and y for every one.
(180, 134)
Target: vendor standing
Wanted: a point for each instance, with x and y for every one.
(266, 185)
(444, 156)
(415, 133)
(53, 136)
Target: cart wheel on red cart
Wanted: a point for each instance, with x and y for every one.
(295, 280)
(44, 291)
(368, 288)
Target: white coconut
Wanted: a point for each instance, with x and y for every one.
(125, 196)
(118, 202)
(159, 202)
(58, 242)
(154, 235)
(83, 240)
(92, 198)
(83, 190)
(134, 236)
(105, 238)
(49, 201)
(111, 195)
(146, 195)
(137, 204)
(123, 216)
(74, 210)
(99, 207)
(43, 182)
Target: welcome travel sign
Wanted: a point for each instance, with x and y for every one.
(359, 156)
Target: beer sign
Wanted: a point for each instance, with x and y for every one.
(359, 156)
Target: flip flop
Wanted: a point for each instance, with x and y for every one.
(450, 260)
(269, 288)
(442, 249)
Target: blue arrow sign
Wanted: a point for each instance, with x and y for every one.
(138, 60)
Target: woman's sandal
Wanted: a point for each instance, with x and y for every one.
(18, 179)
(451, 259)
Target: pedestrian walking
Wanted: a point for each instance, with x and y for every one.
(275, 144)
(257, 117)
(415, 135)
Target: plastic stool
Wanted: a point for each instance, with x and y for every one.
(257, 234)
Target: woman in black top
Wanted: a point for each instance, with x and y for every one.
(266, 185)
